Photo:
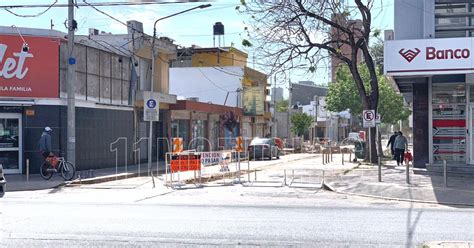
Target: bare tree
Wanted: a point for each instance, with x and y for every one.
(303, 34)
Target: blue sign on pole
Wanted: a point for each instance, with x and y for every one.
(151, 103)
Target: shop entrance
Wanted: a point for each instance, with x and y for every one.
(11, 142)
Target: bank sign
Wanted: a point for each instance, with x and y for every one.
(429, 56)
(32, 72)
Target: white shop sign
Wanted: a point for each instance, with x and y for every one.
(429, 56)
(210, 158)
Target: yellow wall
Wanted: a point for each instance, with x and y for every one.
(162, 73)
(231, 58)
(161, 81)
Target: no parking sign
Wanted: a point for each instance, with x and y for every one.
(369, 118)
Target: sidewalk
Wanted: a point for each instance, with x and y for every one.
(424, 187)
(35, 182)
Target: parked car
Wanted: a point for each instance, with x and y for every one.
(263, 148)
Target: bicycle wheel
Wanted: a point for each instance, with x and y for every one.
(68, 171)
(45, 174)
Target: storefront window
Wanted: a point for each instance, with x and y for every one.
(200, 140)
(449, 26)
(9, 143)
(449, 123)
(180, 128)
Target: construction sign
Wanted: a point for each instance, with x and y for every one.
(188, 162)
(239, 144)
(177, 145)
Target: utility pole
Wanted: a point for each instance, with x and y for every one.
(71, 87)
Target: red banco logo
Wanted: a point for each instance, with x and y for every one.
(409, 54)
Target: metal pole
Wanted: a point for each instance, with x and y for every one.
(370, 147)
(330, 152)
(380, 170)
(408, 171)
(323, 176)
(27, 170)
(150, 142)
(274, 106)
(322, 155)
(238, 164)
(445, 173)
(71, 87)
(248, 168)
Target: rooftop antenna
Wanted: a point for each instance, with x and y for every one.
(52, 24)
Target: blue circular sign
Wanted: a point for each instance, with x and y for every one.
(151, 103)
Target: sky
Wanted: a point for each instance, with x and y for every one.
(192, 28)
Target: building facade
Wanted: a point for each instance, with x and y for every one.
(345, 49)
(219, 76)
(201, 125)
(33, 95)
(430, 61)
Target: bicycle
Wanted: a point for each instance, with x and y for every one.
(67, 169)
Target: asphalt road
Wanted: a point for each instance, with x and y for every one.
(262, 217)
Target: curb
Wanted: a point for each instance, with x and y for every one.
(122, 176)
(331, 188)
(108, 178)
(435, 244)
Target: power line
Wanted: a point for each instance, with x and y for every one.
(99, 4)
(35, 15)
(208, 79)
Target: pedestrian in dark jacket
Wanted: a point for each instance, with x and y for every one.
(45, 142)
(390, 143)
(401, 144)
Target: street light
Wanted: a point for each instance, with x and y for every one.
(202, 6)
(153, 72)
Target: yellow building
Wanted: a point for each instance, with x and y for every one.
(253, 84)
(218, 56)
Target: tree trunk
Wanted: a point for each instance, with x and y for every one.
(373, 145)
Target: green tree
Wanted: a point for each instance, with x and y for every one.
(287, 35)
(282, 106)
(343, 95)
(300, 122)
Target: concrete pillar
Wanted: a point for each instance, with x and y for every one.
(420, 124)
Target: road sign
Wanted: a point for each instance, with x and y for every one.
(151, 108)
(177, 145)
(378, 119)
(239, 144)
(369, 118)
(188, 162)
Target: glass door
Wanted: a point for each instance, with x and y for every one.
(449, 123)
(10, 142)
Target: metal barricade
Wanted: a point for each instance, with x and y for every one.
(179, 169)
(304, 178)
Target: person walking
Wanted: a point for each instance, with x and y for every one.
(45, 142)
(390, 143)
(400, 145)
